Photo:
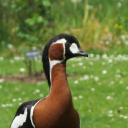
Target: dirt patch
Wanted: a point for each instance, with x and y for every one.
(38, 77)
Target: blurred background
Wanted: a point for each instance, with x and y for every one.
(99, 83)
(99, 25)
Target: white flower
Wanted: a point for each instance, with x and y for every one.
(110, 61)
(121, 82)
(76, 82)
(97, 56)
(103, 63)
(91, 55)
(127, 88)
(19, 99)
(122, 37)
(3, 105)
(80, 64)
(121, 108)
(74, 1)
(118, 76)
(84, 67)
(104, 72)
(119, 4)
(80, 96)
(110, 115)
(22, 69)
(75, 98)
(104, 56)
(90, 63)
(96, 78)
(41, 95)
(14, 100)
(107, 42)
(117, 70)
(86, 77)
(10, 46)
(16, 58)
(1, 80)
(89, 110)
(22, 58)
(112, 82)
(90, 7)
(11, 61)
(125, 117)
(121, 115)
(8, 105)
(1, 58)
(92, 89)
(34, 48)
(108, 97)
(20, 103)
(126, 42)
(37, 90)
(110, 111)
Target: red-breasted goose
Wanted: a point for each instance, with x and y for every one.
(56, 110)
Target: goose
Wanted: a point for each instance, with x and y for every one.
(56, 110)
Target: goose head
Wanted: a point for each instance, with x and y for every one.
(59, 49)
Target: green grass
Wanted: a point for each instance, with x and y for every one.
(100, 87)
(99, 90)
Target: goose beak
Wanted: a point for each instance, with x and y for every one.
(81, 53)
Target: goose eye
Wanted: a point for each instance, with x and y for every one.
(68, 44)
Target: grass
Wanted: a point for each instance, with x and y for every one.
(99, 93)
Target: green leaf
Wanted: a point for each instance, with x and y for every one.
(39, 19)
(17, 28)
(46, 3)
(30, 21)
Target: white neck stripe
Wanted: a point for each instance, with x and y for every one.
(61, 41)
(54, 62)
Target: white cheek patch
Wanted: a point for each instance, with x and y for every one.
(19, 120)
(73, 48)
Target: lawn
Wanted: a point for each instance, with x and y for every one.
(99, 87)
(99, 83)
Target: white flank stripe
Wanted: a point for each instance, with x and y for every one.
(19, 120)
